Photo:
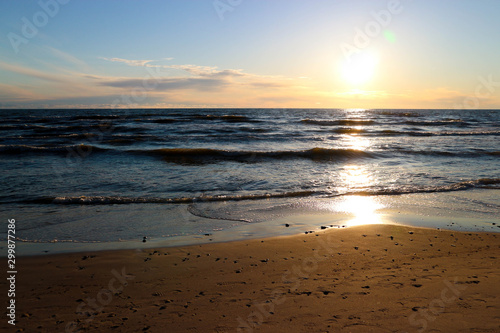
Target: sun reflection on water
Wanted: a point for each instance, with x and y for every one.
(356, 142)
(363, 208)
(355, 177)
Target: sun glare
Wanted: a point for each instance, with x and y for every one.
(363, 209)
(359, 68)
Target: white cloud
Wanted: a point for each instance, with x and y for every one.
(128, 62)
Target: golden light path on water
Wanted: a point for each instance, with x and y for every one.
(364, 209)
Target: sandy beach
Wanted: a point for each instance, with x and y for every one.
(374, 278)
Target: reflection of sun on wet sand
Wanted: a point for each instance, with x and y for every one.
(362, 209)
(374, 278)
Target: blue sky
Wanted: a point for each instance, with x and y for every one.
(250, 53)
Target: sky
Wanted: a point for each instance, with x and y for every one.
(250, 53)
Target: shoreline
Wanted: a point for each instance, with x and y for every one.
(370, 278)
(414, 210)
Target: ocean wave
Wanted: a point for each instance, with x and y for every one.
(437, 133)
(162, 120)
(485, 183)
(348, 130)
(465, 154)
(210, 155)
(114, 200)
(200, 155)
(340, 122)
(24, 149)
(226, 118)
(98, 117)
(445, 122)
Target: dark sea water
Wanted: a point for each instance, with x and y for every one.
(109, 175)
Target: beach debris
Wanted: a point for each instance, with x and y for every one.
(287, 225)
(391, 237)
(323, 227)
(410, 232)
(207, 235)
(265, 260)
(144, 239)
(356, 247)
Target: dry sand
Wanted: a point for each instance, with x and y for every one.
(376, 278)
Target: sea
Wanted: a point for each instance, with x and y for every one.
(99, 178)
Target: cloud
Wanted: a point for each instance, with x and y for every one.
(128, 62)
(204, 85)
(12, 94)
(193, 69)
(162, 84)
(202, 78)
(189, 68)
(66, 57)
(30, 72)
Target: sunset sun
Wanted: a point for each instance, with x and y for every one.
(359, 68)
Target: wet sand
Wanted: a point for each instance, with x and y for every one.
(373, 278)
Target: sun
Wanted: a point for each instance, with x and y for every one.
(359, 68)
